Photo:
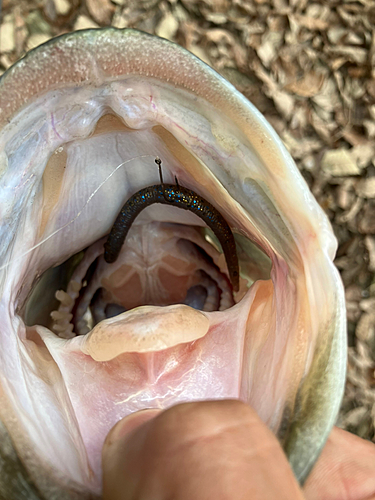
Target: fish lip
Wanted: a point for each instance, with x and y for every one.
(276, 153)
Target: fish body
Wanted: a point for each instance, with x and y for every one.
(82, 120)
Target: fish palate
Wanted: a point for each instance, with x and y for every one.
(84, 342)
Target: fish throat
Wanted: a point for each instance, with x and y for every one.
(96, 291)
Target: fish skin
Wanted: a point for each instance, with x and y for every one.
(15, 483)
(307, 425)
(309, 422)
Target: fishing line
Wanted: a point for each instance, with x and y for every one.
(78, 214)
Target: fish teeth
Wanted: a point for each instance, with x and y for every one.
(63, 297)
(61, 316)
(73, 288)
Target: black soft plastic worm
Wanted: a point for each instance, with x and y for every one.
(177, 196)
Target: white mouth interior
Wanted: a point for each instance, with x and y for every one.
(64, 180)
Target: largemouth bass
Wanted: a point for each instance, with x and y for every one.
(85, 342)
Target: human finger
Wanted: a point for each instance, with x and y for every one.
(205, 450)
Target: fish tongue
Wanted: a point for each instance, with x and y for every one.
(144, 329)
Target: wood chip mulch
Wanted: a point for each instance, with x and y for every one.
(309, 67)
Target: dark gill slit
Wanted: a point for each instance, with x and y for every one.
(89, 274)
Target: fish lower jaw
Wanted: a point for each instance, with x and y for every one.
(107, 374)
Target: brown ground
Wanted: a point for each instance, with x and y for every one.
(310, 69)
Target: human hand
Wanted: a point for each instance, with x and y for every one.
(221, 450)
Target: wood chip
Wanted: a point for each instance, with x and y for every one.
(368, 305)
(369, 126)
(355, 416)
(345, 194)
(366, 223)
(363, 154)
(339, 162)
(36, 24)
(308, 86)
(7, 39)
(83, 22)
(62, 7)
(365, 330)
(101, 11)
(268, 49)
(167, 27)
(312, 23)
(353, 54)
(370, 245)
(366, 188)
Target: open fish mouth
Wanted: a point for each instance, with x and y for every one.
(85, 342)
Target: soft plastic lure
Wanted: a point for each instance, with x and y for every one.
(178, 196)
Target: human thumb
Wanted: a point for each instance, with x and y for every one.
(216, 449)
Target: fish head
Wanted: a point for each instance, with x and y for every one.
(83, 119)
